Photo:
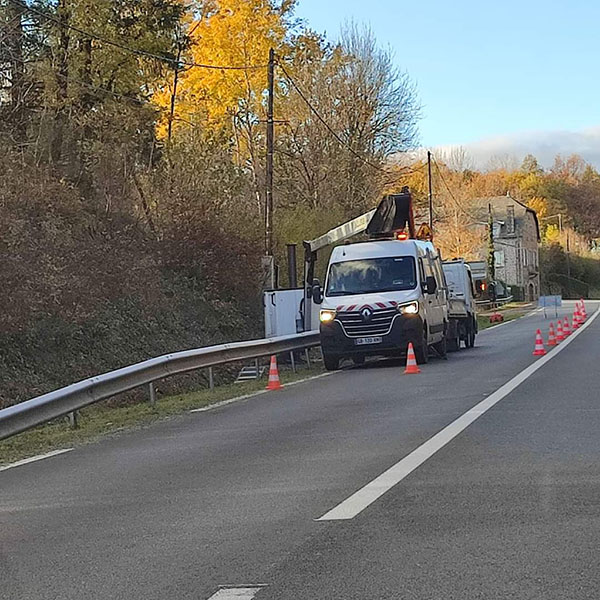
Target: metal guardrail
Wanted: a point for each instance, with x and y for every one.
(25, 415)
(499, 301)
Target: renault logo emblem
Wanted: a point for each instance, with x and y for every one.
(366, 313)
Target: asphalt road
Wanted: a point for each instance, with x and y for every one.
(508, 508)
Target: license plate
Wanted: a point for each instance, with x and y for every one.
(368, 340)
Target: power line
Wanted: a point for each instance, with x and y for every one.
(138, 102)
(165, 59)
(96, 88)
(456, 202)
(333, 132)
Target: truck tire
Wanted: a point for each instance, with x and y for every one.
(422, 349)
(470, 341)
(331, 361)
(442, 347)
(454, 337)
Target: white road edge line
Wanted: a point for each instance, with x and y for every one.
(364, 497)
(237, 593)
(26, 461)
(254, 394)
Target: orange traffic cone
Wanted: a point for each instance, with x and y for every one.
(411, 361)
(551, 338)
(566, 328)
(576, 318)
(539, 344)
(582, 312)
(559, 331)
(274, 383)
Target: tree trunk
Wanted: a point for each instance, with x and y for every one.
(62, 81)
(11, 53)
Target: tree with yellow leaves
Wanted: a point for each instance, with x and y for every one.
(237, 36)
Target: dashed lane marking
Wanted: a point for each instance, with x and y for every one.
(237, 593)
(254, 394)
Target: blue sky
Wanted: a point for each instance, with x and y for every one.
(490, 73)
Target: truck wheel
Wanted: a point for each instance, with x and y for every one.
(359, 359)
(331, 361)
(470, 341)
(442, 347)
(454, 342)
(422, 350)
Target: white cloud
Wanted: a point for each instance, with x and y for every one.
(544, 145)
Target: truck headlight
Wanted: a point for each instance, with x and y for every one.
(412, 308)
(326, 316)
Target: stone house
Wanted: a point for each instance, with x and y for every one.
(516, 245)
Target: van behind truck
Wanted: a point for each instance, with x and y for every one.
(462, 311)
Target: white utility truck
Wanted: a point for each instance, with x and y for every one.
(381, 294)
(461, 300)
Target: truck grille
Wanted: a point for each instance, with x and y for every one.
(355, 325)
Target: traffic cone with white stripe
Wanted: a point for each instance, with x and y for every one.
(582, 313)
(566, 328)
(274, 383)
(411, 361)
(559, 331)
(539, 344)
(576, 318)
(551, 337)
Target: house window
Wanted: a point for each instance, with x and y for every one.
(499, 258)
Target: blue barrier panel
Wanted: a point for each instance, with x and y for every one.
(549, 301)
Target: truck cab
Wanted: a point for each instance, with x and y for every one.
(379, 296)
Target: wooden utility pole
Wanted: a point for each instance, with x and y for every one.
(174, 94)
(269, 165)
(430, 190)
(568, 267)
(491, 259)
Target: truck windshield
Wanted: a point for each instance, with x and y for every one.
(372, 275)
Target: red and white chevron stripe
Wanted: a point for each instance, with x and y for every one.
(359, 307)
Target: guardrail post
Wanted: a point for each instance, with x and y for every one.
(73, 420)
(307, 354)
(293, 361)
(211, 378)
(53, 405)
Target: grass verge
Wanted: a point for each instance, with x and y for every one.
(483, 321)
(100, 420)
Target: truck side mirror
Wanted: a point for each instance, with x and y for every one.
(430, 285)
(317, 292)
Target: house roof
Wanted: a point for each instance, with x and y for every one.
(500, 205)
